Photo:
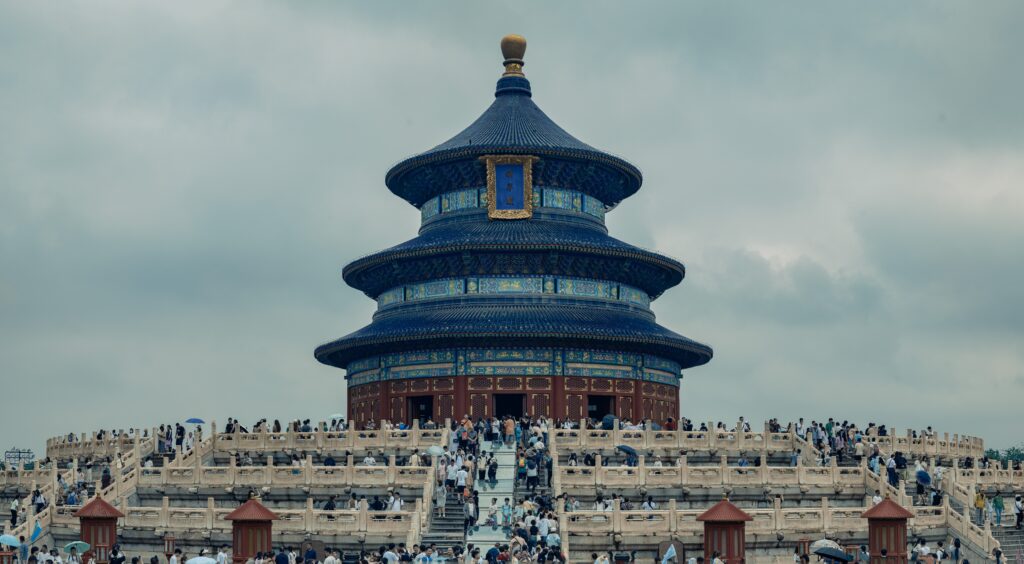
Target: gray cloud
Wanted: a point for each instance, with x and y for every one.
(180, 187)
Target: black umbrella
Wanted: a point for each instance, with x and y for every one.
(608, 422)
(627, 449)
(833, 554)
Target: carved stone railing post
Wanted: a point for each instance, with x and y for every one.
(211, 513)
(165, 511)
(363, 517)
(308, 518)
(598, 471)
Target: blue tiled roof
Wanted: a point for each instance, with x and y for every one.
(512, 124)
(469, 240)
(517, 324)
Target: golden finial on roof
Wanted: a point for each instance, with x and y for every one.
(513, 47)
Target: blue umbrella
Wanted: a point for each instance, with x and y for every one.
(195, 421)
(10, 541)
(923, 477)
(627, 449)
(833, 554)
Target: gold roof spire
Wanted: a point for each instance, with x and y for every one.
(513, 47)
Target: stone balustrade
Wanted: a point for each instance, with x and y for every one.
(1002, 479)
(26, 478)
(955, 447)
(304, 475)
(88, 447)
(401, 525)
(685, 475)
(329, 440)
(804, 520)
(671, 522)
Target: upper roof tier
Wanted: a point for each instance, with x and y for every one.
(513, 124)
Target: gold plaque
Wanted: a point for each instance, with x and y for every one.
(509, 186)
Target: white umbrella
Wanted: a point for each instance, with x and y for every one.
(201, 560)
(825, 543)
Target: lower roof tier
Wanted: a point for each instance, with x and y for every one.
(514, 325)
(522, 247)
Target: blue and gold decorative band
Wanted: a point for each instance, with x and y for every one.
(554, 198)
(514, 285)
(513, 362)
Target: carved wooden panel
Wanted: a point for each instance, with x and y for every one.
(600, 385)
(397, 409)
(575, 384)
(479, 383)
(540, 405)
(574, 406)
(539, 383)
(443, 384)
(445, 407)
(479, 405)
(421, 385)
(508, 383)
(625, 405)
(649, 389)
(397, 387)
(624, 386)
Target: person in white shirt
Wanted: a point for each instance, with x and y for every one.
(460, 479)
(877, 498)
(921, 550)
(396, 502)
(650, 505)
(176, 557)
(369, 460)
(222, 555)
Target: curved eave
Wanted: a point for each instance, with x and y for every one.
(513, 123)
(514, 326)
(397, 178)
(354, 270)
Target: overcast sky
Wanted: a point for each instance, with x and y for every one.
(181, 184)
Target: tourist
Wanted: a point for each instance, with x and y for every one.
(1018, 511)
(440, 499)
(997, 508)
(979, 507)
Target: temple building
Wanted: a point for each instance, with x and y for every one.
(513, 298)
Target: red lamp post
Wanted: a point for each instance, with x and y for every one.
(98, 522)
(887, 529)
(168, 546)
(724, 531)
(251, 529)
